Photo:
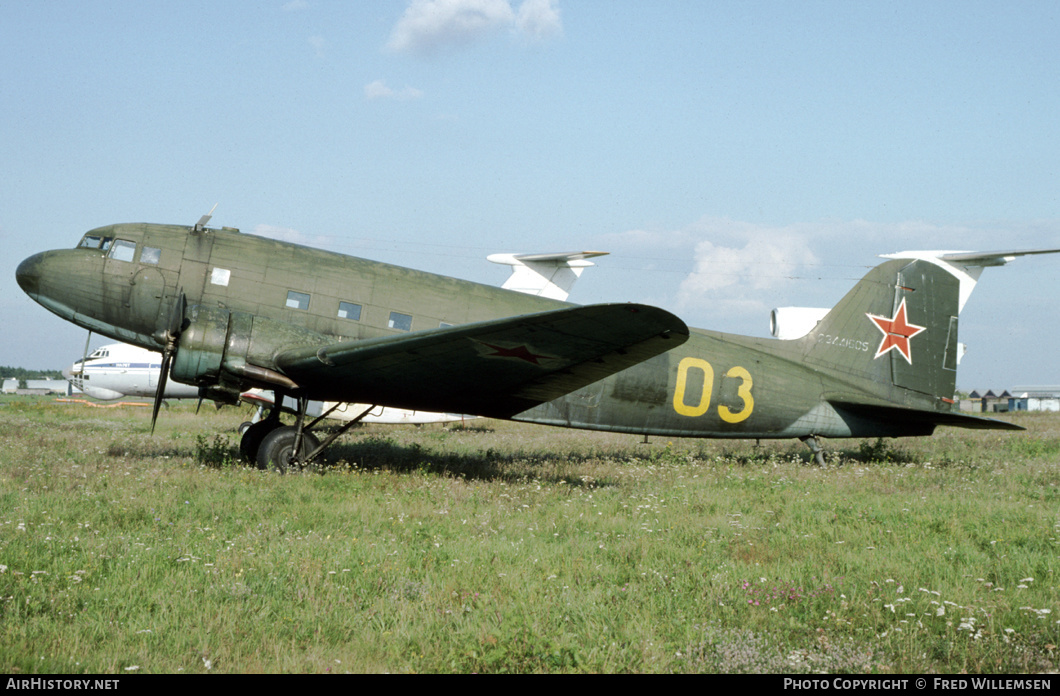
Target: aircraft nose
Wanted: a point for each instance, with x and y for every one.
(28, 274)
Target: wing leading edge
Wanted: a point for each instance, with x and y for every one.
(494, 368)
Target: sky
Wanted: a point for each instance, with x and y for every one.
(731, 156)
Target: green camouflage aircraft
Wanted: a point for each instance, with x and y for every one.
(232, 311)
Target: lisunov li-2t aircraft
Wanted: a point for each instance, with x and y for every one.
(232, 311)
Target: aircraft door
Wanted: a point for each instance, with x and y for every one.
(119, 269)
(145, 305)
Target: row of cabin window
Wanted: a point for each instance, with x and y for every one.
(123, 250)
(348, 310)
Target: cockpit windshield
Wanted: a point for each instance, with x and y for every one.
(95, 241)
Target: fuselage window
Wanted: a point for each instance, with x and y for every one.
(150, 256)
(297, 300)
(399, 321)
(221, 276)
(348, 310)
(123, 250)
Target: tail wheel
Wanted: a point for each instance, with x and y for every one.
(277, 449)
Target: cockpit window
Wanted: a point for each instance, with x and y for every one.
(123, 250)
(95, 241)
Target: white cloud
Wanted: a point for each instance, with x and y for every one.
(725, 268)
(738, 279)
(734, 277)
(429, 26)
(379, 90)
(539, 19)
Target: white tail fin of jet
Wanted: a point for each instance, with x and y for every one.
(545, 275)
(967, 266)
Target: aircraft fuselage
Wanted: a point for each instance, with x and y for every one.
(254, 297)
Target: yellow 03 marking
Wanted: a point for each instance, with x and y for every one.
(701, 402)
(701, 406)
(744, 392)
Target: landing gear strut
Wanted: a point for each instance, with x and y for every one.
(270, 443)
(814, 444)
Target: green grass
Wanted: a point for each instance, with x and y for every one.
(500, 547)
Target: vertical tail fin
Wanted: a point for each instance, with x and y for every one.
(897, 328)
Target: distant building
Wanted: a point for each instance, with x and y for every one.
(1035, 398)
(46, 386)
(1025, 398)
(986, 403)
(10, 386)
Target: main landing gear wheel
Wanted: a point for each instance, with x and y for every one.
(253, 436)
(277, 449)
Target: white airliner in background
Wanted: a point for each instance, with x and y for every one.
(119, 370)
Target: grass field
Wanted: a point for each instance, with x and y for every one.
(499, 547)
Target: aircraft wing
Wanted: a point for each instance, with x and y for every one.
(493, 368)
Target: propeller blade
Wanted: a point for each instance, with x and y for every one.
(174, 327)
(176, 316)
(167, 357)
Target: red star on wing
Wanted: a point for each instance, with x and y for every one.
(519, 353)
(896, 332)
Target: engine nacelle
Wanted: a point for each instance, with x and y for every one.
(795, 322)
(202, 348)
(226, 352)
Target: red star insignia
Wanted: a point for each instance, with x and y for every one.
(896, 332)
(519, 353)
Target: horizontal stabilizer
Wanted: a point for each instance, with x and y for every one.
(493, 368)
(898, 415)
